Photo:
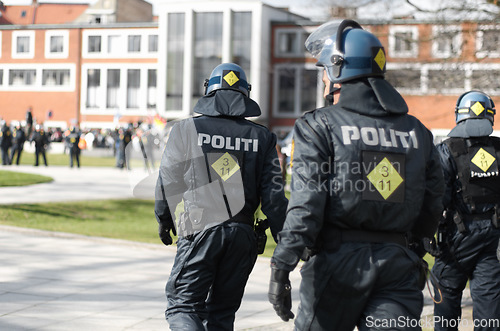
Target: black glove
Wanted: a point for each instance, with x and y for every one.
(280, 293)
(431, 247)
(164, 233)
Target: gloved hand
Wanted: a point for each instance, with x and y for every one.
(164, 233)
(280, 293)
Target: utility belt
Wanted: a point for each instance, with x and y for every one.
(460, 219)
(333, 237)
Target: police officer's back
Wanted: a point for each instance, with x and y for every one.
(222, 166)
(18, 140)
(469, 234)
(365, 178)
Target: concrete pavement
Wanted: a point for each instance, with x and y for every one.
(59, 281)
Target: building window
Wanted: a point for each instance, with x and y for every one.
(407, 79)
(151, 88)
(22, 77)
(1, 76)
(94, 45)
(286, 90)
(133, 87)
(446, 41)
(134, 44)
(93, 85)
(0, 44)
(241, 42)
(23, 44)
(175, 61)
(112, 88)
(56, 44)
(403, 41)
(488, 41)
(290, 42)
(296, 89)
(153, 43)
(441, 81)
(486, 80)
(58, 77)
(207, 49)
(114, 44)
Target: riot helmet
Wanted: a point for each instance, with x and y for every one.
(474, 105)
(346, 51)
(475, 113)
(227, 76)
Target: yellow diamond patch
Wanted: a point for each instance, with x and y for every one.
(483, 159)
(477, 108)
(225, 166)
(380, 59)
(231, 78)
(385, 178)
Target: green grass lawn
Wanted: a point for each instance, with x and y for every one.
(63, 160)
(12, 178)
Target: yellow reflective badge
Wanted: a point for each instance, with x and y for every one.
(384, 175)
(291, 153)
(483, 160)
(231, 78)
(385, 178)
(225, 166)
(380, 59)
(477, 108)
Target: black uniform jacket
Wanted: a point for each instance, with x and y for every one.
(221, 153)
(363, 164)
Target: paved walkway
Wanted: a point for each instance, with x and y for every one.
(58, 281)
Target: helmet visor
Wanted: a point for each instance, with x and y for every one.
(324, 35)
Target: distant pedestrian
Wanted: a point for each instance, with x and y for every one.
(73, 142)
(5, 143)
(41, 139)
(124, 138)
(18, 140)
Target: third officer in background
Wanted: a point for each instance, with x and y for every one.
(222, 166)
(468, 236)
(366, 181)
(72, 142)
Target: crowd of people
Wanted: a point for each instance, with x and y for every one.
(13, 139)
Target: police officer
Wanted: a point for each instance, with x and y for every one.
(72, 142)
(41, 139)
(5, 142)
(223, 166)
(18, 140)
(366, 179)
(469, 234)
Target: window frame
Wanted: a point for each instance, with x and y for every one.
(479, 41)
(56, 33)
(456, 41)
(299, 49)
(297, 101)
(23, 55)
(414, 49)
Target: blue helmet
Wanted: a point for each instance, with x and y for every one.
(346, 51)
(228, 76)
(475, 105)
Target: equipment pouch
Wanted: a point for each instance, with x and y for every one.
(260, 233)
